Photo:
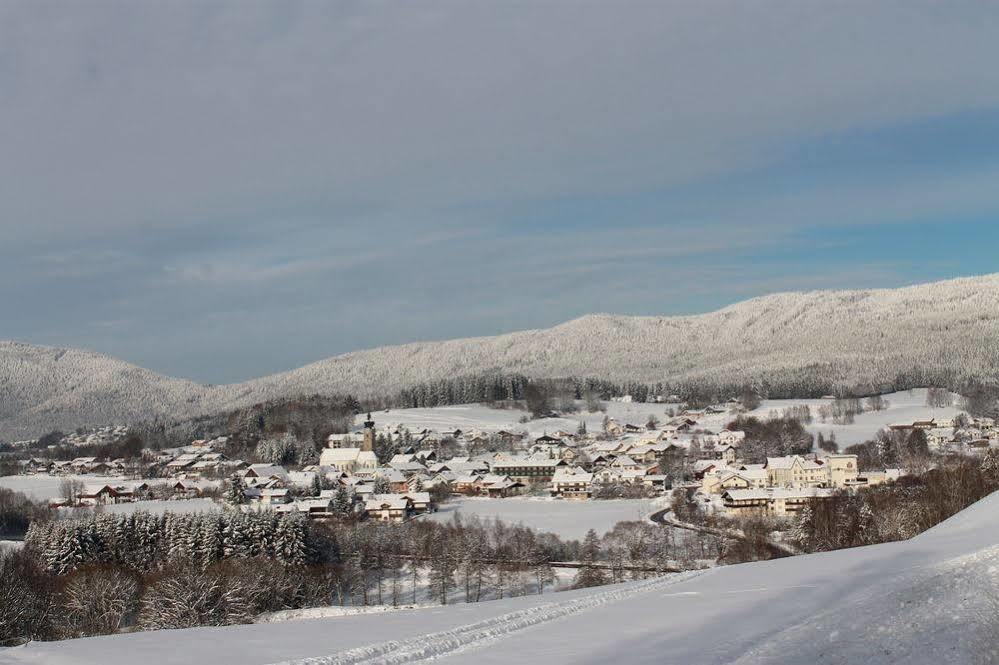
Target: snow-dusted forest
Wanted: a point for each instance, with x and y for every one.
(789, 344)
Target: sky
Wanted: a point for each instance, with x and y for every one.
(222, 190)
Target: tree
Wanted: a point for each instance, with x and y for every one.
(538, 400)
(876, 403)
(652, 422)
(235, 491)
(97, 601)
(382, 485)
(70, 490)
(342, 504)
(581, 430)
(588, 575)
(749, 399)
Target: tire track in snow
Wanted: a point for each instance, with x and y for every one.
(480, 633)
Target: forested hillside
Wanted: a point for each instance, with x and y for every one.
(791, 344)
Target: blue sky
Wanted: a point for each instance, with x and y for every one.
(223, 190)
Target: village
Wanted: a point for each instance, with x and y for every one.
(427, 467)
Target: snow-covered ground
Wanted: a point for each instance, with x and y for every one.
(926, 601)
(903, 407)
(44, 487)
(568, 519)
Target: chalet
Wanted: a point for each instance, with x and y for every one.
(421, 502)
(102, 495)
(508, 438)
(624, 463)
(181, 490)
(572, 483)
(499, 486)
(727, 454)
(267, 496)
(728, 437)
(470, 484)
(315, 508)
(264, 472)
(388, 507)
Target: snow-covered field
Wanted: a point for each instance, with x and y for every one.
(568, 519)
(926, 601)
(43, 487)
(904, 406)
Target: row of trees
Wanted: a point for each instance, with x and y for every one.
(142, 541)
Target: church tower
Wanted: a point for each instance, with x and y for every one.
(369, 434)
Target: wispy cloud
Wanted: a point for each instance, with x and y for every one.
(344, 175)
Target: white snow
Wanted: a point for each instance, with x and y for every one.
(568, 519)
(44, 487)
(918, 602)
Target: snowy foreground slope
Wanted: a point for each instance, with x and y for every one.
(848, 338)
(919, 601)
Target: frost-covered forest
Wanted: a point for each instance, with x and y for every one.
(793, 344)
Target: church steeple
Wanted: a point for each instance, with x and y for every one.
(369, 434)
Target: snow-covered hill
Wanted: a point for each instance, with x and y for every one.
(847, 337)
(929, 600)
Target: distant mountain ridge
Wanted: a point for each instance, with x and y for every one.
(942, 331)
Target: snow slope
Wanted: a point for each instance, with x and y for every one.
(846, 337)
(921, 601)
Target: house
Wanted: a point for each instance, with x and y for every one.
(263, 472)
(776, 501)
(842, 470)
(388, 507)
(498, 486)
(98, 495)
(316, 508)
(726, 478)
(267, 496)
(572, 483)
(470, 484)
(728, 454)
(185, 491)
(421, 502)
(796, 471)
(728, 437)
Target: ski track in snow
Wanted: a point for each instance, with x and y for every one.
(472, 636)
